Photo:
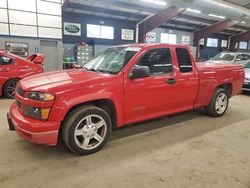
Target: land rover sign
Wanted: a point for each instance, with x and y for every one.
(72, 29)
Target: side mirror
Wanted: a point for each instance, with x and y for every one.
(139, 72)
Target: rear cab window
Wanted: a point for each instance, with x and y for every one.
(184, 60)
(159, 61)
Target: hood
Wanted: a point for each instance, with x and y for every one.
(60, 81)
(247, 73)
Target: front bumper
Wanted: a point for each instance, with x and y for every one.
(35, 131)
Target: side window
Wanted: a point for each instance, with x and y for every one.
(184, 60)
(159, 61)
(246, 57)
(5, 60)
(239, 57)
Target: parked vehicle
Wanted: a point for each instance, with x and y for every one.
(122, 85)
(246, 86)
(13, 68)
(232, 57)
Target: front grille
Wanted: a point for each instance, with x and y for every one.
(20, 92)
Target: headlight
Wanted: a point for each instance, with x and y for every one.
(40, 96)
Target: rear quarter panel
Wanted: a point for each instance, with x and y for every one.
(211, 76)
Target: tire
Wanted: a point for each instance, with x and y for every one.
(218, 104)
(9, 88)
(86, 130)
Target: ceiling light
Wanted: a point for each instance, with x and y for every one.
(157, 2)
(216, 16)
(194, 11)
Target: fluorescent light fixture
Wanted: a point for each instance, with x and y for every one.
(193, 10)
(216, 16)
(242, 22)
(158, 2)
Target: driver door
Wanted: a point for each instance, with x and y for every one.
(151, 96)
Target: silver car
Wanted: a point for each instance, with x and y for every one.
(232, 57)
(246, 86)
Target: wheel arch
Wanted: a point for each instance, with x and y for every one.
(106, 104)
(227, 86)
(6, 81)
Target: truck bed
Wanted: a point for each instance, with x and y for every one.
(211, 75)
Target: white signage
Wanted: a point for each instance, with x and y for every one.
(151, 37)
(72, 29)
(185, 39)
(202, 41)
(224, 43)
(127, 34)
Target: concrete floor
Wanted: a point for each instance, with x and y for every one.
(187, 150)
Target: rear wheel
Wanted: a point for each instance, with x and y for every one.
(218, 104)
(9, 88)
(86, 130)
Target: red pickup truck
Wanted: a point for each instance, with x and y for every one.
(122, 85)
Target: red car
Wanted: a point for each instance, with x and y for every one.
(13, 68)
(122, 85)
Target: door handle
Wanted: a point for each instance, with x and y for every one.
(171, 81)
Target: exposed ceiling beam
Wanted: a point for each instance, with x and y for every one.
(207, 21)
(241, 37)
(104, 10)
(158, 19)
(215, 28)
(212, 29)
(131, 6)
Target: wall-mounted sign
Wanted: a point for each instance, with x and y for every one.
(18, 48)
(224, 43)
(72, 29)
(202, 41)
(151, 37)
(185, 39)
(127, 34)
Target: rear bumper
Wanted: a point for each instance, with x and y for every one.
(35, 131)
(246, 86)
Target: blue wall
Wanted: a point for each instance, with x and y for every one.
(84, 20)
(209, 52)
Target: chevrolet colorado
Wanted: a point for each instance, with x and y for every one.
(123, 85)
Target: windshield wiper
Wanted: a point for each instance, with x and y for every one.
(92, 69)
(98, 70)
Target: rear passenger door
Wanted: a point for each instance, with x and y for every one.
(186, 79)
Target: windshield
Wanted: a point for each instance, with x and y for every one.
(224, 57)
(247, 65)
(112, 60)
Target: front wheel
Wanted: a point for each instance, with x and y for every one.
(9, 88)
(86, 130)
(218, 104)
